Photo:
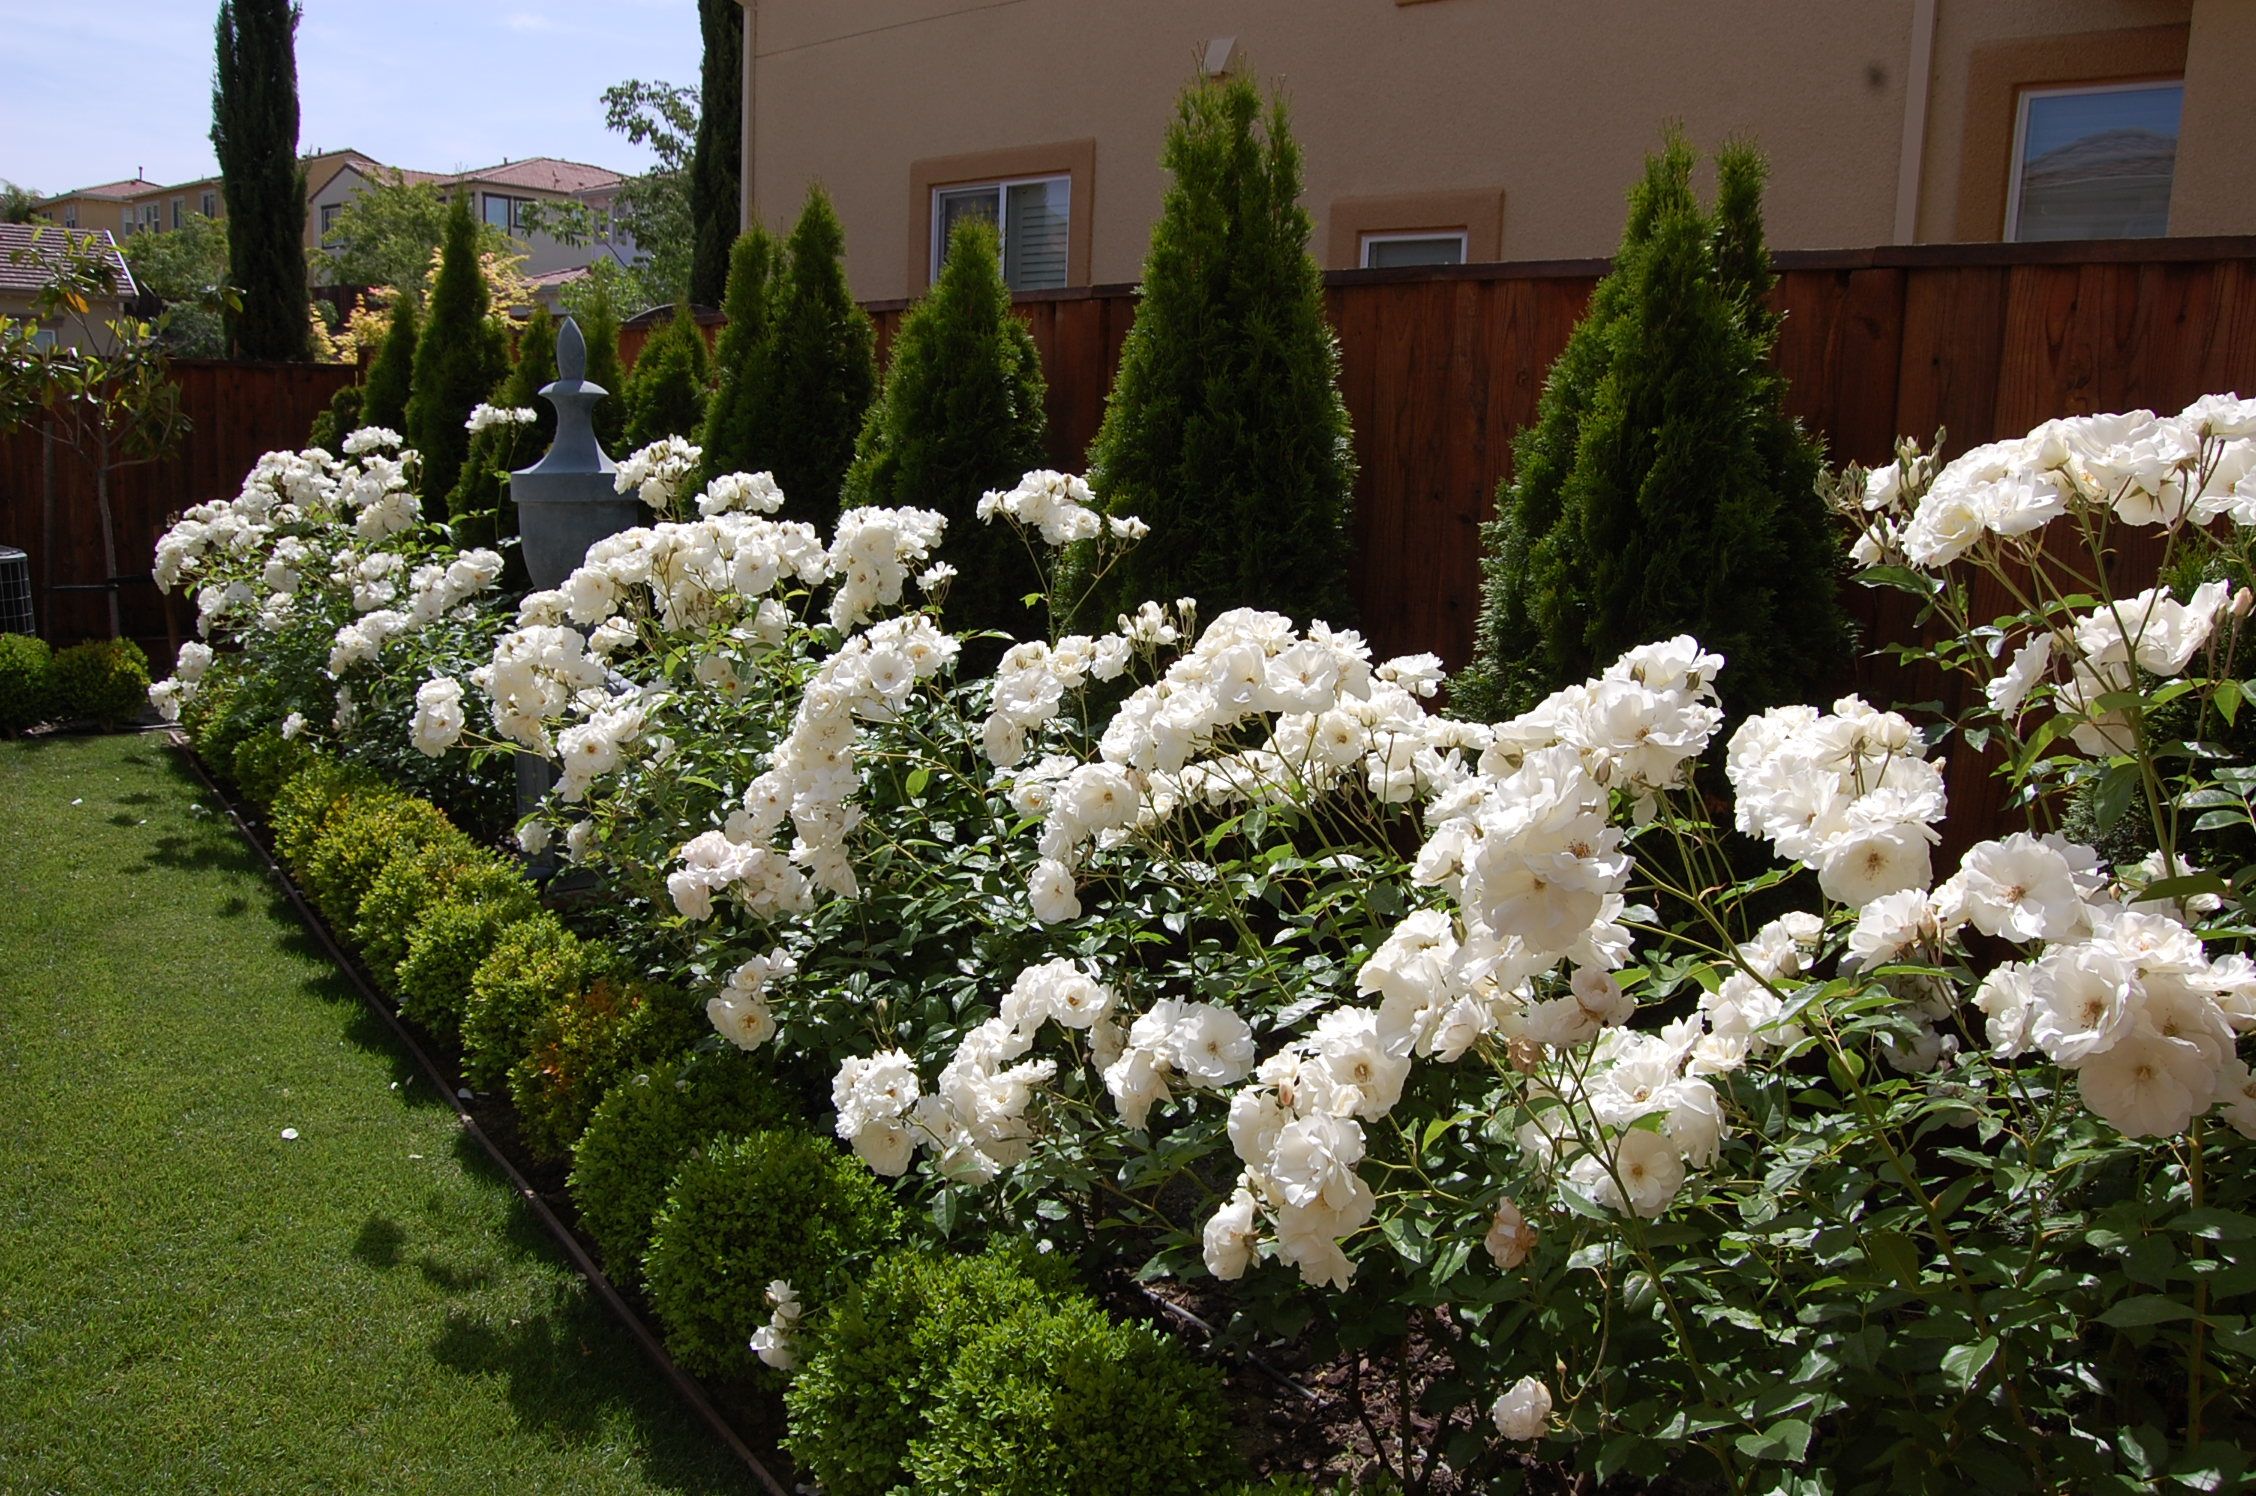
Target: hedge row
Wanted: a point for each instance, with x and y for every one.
(104, 681)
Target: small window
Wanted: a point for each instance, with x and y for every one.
(70, 215)
(211, 205)
(329, 212)
(2094, 162)
(1032, 214)
(505, 213)
(179, 211)
(1427, 247)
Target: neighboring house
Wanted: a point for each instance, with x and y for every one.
(28, 252)
(1440, 131)
(112, 207)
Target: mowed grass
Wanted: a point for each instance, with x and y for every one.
(190, 1302)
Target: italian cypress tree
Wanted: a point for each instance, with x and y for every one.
(1225, 429)
(480, 503)
(666, 391)
(816, 371)
(391, 376)
(1663, 489)
(714, 167)
(726, 436)
(255, 134)
(458, 358)
(961, 413)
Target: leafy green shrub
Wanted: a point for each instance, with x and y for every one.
(782, 1204)
(209, 716)
(264, 761)
(961, 413)
(1060, 1398)
(594, 302)
(816, 372)
(646, 1126)
(458, 359)
(1248, 499)
(27, 682)
(533, 963)
(580, 1047)
(453, 938)
(306, 801)
(410, 882)
(480, 503)
(383, 400)
(882, 1356)
(338, 420)
(362, 836)
(727, 438)
(105, 680)
(666, 390)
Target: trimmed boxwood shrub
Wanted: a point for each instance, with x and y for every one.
(453, 938)
(646, 1127)
(881, 1358)
(413, 880)
(1057, 1397)
(27, 682)
(263, 762)
(361, 836)
(581, 1046)
(307, 800)
(782, 1204)
(534, 962)
(106, 680)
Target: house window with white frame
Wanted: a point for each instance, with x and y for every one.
(1392, 250)
(329, 212)
(1033, 216)
(2093, 161)
(505, 213)
(179, 211)
(211, 205)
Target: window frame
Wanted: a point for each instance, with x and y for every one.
(1369, 237)
(1001, 187)
(209, 205)
(2029, 91)
(329, 212)
(515, 212)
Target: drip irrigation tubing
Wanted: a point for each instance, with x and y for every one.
(683, 1384)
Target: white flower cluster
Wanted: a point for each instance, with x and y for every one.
(1632, 1075)
(703, 574)
(773, 1342)
(1852, 794)
(484, 417)
(537, 672)
(1199, 1044)
(873, 554)
(655, 473)
(438, 721)
(1058, 506)
(595, 745)
(741, 1013)
(752, 493)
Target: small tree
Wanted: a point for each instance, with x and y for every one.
(255, 134)
(387, 232)
(961, 413)
(186, 268)
(1225, 429)
(727, 436)
(593, 301)
(666, 391)
(816, 370)
(391, 376)
(480, 504)
(458, 358)
(713, 199)
(1663, 489)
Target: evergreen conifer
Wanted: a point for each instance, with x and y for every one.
(714, 167)
(961, 413)
(255, 135)
(597, 310)
(1225, 429)
(666, 391)
(481, 503)
(391, 376)
(726, 436)
(816, 371)
(458, 358)
(1663, 489)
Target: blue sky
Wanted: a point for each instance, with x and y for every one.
(97, 88)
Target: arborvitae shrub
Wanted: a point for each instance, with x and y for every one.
(781, 1204)
(263, 761)
(882, 1356)
(599, 326)
(27, 682)
(727, 437)
(533, 963)
(961, 413)
(666, 391)
(816, 372)
(480, 503)
(364, 834)
(106, 680)
(1059, 1398)
(715, 161)
(307, 800)
(1663, 489)
(458, 359)
(383, 400)
(409, 884)
(452, 940)
(646, 1127)
(583, 1044)
(1225, 429)
(340, 419)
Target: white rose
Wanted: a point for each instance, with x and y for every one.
(1524, 1411)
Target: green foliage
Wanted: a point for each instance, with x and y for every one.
(883, 1355)
(187, 268)
(643, 1130)
(1663, 489)
(666, 391)
(255, 134)
(586, 1041)
(1225, 429)
(653, 211)
(338, 419)
(459, 356)
(365, 834)
(714, 168)
(593, 301)
(781, 1204)
(263, 762)
(961, 414)
(410, 883)
(534, 962)
(307, 800)
(387, 231)
(1059, 1398)
(481, 504)
(102, 680)
(391, 375)
(446, 947)
(816, 372)
(27, 682)
(728, 436)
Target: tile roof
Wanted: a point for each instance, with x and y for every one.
(130, 187)
(543, 173)
(42, 244)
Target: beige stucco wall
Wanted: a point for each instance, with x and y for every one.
(2214, 191)
(1552, 106)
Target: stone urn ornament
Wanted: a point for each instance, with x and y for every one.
(569, 500)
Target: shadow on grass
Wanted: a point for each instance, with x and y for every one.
(379, 1242)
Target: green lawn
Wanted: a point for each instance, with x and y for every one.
(188, 1300)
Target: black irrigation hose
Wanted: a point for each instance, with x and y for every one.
(683, 1384)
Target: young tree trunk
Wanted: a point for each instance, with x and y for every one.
(47, 521)
(109, 536)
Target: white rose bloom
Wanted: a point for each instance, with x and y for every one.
(1314, 1162)
(1051, 891)
(2086, 1002)
(1524, 1411)
(743, 1021)
(2005, 999)
(1231, 1235)
(1210, 1045)
(1650, 1170)
(2147, 1086)
(293, 724)
(2018, 888)
(2009, 690)
(1510, 1238)
(438, 719)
